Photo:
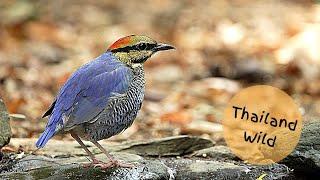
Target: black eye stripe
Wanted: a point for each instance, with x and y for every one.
(136, 47)
(142, 46)
(150, 46)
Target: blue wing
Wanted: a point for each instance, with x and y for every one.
(85, 95)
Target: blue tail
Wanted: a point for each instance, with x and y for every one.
(45, 136)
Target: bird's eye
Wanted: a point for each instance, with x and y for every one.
(142, 46)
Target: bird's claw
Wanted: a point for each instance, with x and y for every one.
(121, 164)
(93, 163)
(105, 165)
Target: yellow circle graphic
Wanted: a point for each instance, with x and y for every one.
(262, 124)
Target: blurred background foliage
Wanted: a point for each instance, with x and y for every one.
(222, 47)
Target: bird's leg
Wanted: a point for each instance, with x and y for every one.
(103, 150)
(113, 162)
(93, 158)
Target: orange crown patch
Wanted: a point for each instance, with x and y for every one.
(121, 42)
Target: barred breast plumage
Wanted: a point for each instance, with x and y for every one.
(120, 112)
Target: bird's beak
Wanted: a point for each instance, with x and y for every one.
(163, 47)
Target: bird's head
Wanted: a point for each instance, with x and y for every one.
(136, 49)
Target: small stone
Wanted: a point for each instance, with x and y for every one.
(204, 155)
(5, 130)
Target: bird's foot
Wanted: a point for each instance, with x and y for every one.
(113, 163)
(105, 165)
(116, 163)
(93, 163)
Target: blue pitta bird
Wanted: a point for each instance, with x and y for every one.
(103, 97)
